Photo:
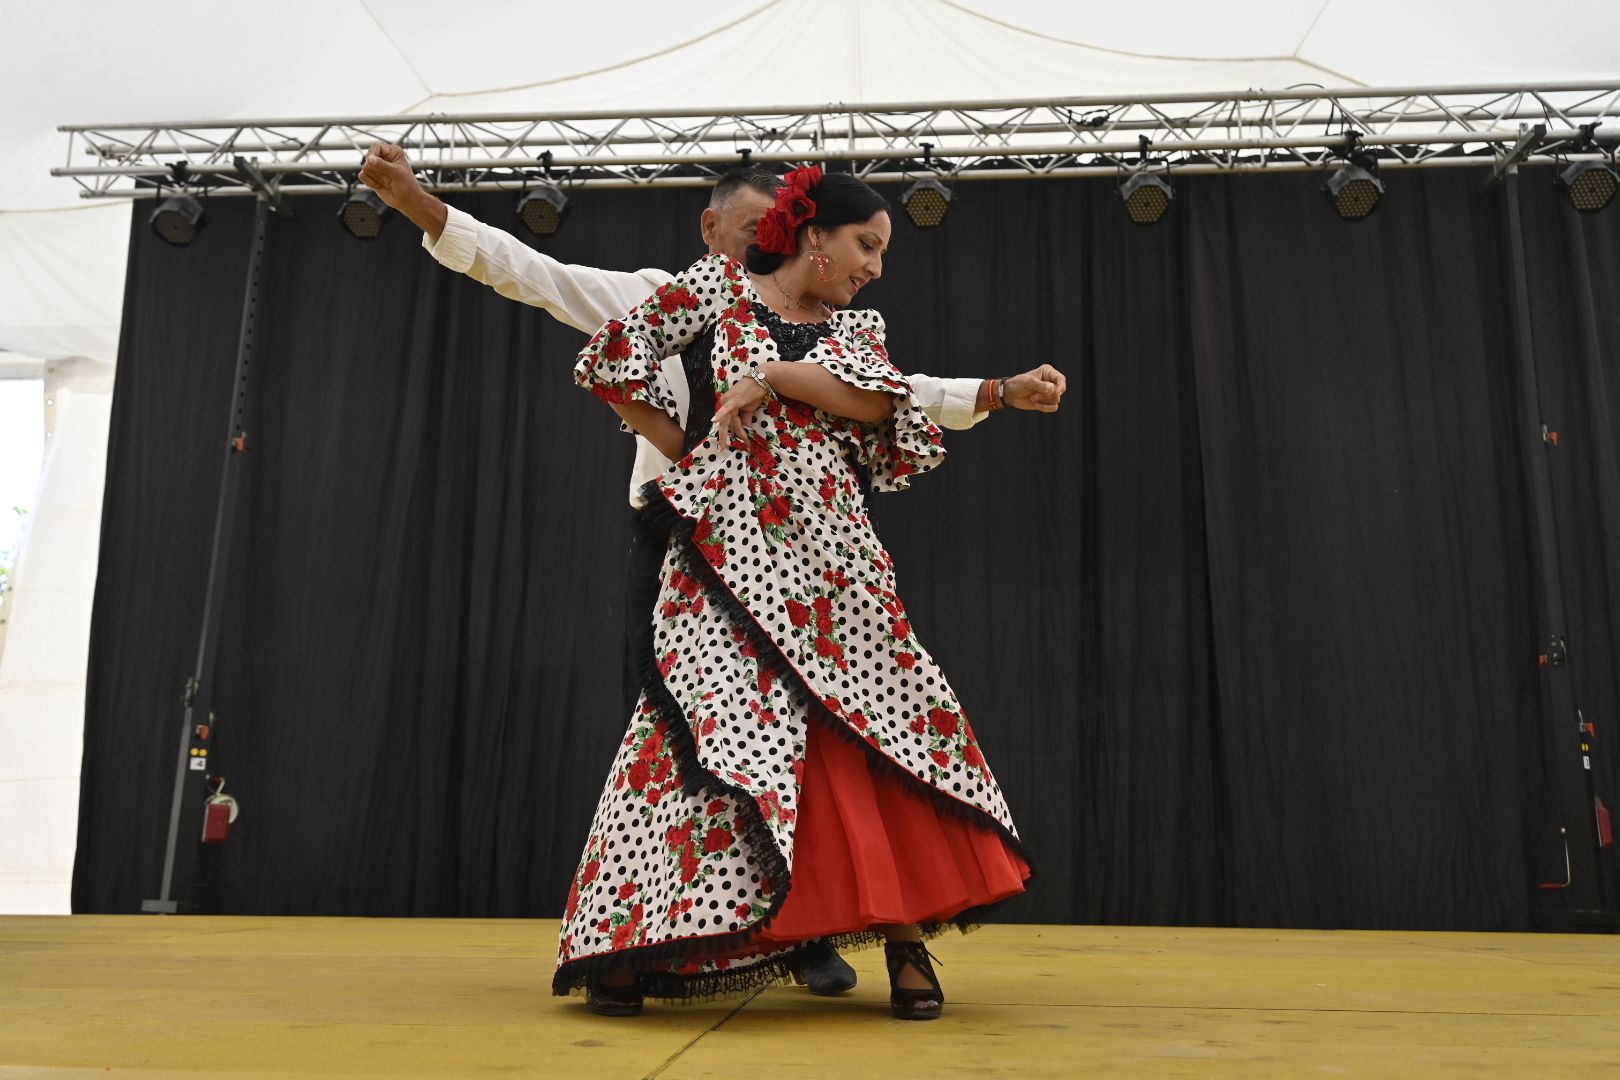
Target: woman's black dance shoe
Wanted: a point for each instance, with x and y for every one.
(912, 1004)
(613, 1000)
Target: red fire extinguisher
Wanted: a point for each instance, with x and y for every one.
(220, 811)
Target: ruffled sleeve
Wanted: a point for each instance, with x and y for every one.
(623, 361)
(907, 442)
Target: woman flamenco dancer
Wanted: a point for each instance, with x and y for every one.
(796, 768)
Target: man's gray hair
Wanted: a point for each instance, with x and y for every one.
(766, 183)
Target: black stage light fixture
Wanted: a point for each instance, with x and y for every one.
(543, 209)
(1354, 192)
(1590, 185)
(178, 220)
(1146, 197)
(1354, 188)
(362, 214)
(926, 203)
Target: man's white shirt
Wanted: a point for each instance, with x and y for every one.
(586, 298)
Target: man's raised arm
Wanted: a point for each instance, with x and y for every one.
(583, 297)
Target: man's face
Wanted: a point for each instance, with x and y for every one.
(730, 229)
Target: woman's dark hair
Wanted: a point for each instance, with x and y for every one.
(841, 199)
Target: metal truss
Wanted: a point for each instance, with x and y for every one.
(1226, 132)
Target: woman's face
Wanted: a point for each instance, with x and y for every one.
(855, 257)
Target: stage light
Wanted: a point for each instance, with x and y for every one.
(1353, 187)
(1354, 192)
(543, 209)
(926, 203)
(178, 220)
(362, 214)
(1146, 197)
(1590, 185)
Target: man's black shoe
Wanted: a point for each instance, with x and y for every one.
(819, 967)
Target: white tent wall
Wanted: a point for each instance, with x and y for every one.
(62, 280)
(62, 262)
(46, 644)
(62, 267)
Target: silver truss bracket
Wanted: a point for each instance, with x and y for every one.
(265, 188)
(1508, 158)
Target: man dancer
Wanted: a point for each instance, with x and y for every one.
(586, 298)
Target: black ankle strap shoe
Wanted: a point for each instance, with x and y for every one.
(908, 1004)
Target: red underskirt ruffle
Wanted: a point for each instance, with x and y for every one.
(867, 852)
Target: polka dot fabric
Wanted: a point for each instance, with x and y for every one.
(778, 609)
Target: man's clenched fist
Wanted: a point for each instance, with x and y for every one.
(1040, 389)
(388, 172)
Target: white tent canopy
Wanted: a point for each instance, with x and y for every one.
(62, 260)
(61, 278)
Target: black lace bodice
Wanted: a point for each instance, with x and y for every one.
(793, 339)
(793, 342)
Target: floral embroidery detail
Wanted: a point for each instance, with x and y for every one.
(688, 597)
(612, 346)
(651, 775)
(950, 739)
(896, 625)
(700, 843)
(811, 614)
(711, 541)
(770, 807)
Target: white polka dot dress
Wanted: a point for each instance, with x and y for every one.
(778, 609)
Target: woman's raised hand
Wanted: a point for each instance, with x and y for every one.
(736, 409)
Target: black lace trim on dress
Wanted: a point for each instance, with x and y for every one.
(793, 339)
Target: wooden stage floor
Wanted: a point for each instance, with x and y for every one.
(177, 997)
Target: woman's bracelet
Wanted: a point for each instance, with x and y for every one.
(759, 376)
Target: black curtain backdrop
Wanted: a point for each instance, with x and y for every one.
(1248, 628)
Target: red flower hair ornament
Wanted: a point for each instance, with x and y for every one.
(779, 228)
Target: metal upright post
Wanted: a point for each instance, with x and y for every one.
(1582, 896)
(197, 726)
